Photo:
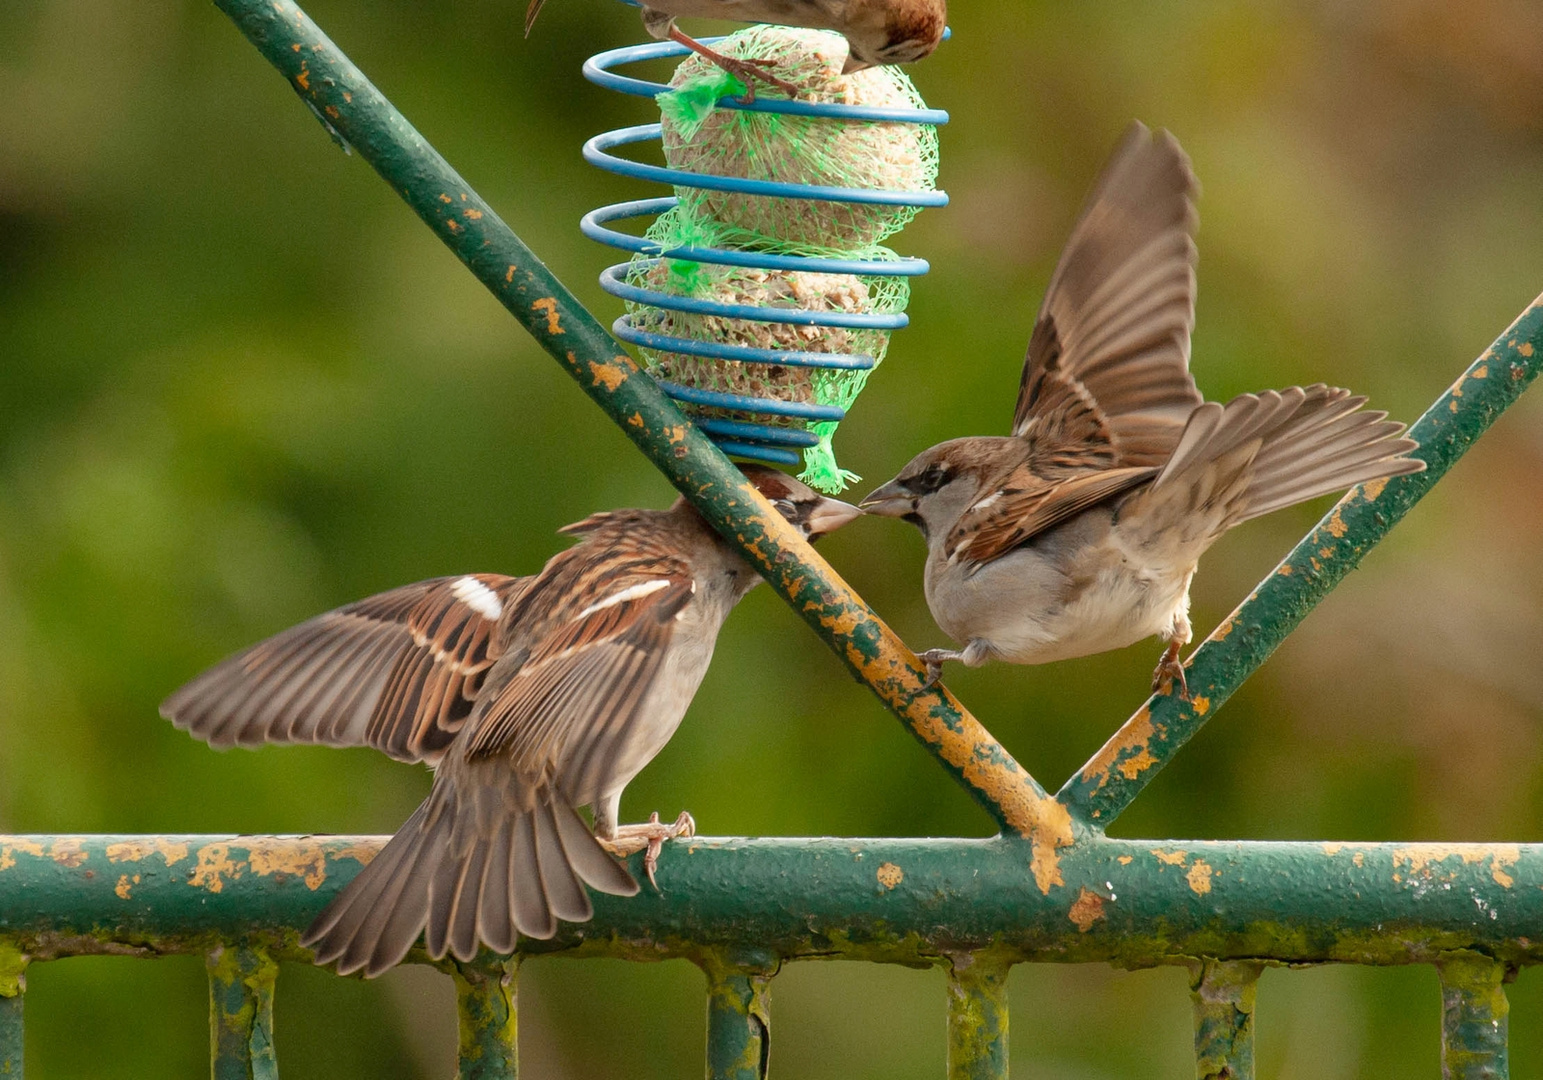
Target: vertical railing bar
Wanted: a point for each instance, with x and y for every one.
(241, 982)
(977, 1017)
(1134, 755)
(13, 990)
(340, 94)
(1224, 993)
(738, 1013)
(487, 998)
(1474, 1017)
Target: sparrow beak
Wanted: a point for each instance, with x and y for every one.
(854, 64)
(828, 515)
(891, 500)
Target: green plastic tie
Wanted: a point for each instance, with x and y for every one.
(690, 104)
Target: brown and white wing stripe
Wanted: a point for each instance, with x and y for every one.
(398, 671)
(1108, 360)
(1025, 505)
(563, 706)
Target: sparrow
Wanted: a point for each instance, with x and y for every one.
(530, 697)
(877, 31)
(1080, 532)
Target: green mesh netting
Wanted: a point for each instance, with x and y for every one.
(794, 149)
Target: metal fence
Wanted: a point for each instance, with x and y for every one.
(1050, 888)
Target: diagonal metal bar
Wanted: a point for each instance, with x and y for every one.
(1135, 754)
(1224, 995)
(356, 111)
(1475, 1017)
(485, 994)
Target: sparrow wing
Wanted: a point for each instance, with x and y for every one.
(398, 671)
(1026, 504)
(1108, 361)
(566, 706)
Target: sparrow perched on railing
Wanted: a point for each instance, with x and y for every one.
(877, 31)
(1080, 532)
(529, 696)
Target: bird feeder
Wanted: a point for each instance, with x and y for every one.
(761, 295)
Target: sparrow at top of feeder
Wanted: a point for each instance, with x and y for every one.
(878, 32)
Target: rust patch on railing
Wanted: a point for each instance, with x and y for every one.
(1086, 910)
(136, 850)
(1421, 859)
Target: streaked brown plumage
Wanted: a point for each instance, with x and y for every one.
(877, 31)
(1081, 531)
(530, 697)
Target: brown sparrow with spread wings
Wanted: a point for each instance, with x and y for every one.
(1081, 531)
(877, 31)
(529, 697)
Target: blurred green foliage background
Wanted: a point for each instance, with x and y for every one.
(240, 384)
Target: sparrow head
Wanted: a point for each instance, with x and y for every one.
(814, 514)
(892, 31)
(941, 483)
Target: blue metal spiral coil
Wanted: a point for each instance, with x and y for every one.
(762, 442)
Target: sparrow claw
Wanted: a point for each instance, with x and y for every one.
(748, 71)
(649, 838)
(1170, 673)
(934, 658)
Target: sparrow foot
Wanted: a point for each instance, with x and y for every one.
(934, 659)
(746, 71)
(1170, 673)
(648, 837)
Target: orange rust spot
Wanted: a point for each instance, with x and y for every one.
(1124, 860)
(1336, 526)
(363, 854)
(1452, 406)
(1171, 858)
(304, 78)
(348, 98)
(125, 883)
(509, 276)
(214, 866)
(1525, 348)
(1131, 739)
(1325, 552)
(67, 852)
(890, 875)
(295, 47)
(1372, 488)
(14, 844)
(1221, 632)
(1421, 859)
(473, 214)
(548, 305)
(1284, 569)
(135, 850)
(1359, 858)
(1086, 910)
(1200, 704)
(1332, 850)
(445, 198)
(635, 420)
(303, 859)
(608, 375)
(332, 111)
(1480, 372)
(452, 224)
(675, 433)
(1137, 764)
(1199, 878)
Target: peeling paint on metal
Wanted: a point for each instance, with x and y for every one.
(1199, 877)
(608, 375)
(890, 875)
(548, 306)
(1373, 488)
(66, 851)
(1170, 858)
(9, 849)
(125, 884)
(138, 849)
(1421, 859)
(1086, 910)
(214, 866)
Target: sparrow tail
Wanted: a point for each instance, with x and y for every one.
(1303, 443)
(467, 878)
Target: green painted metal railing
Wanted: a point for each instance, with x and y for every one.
(1050, 887)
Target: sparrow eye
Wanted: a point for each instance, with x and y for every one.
(930, 480)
